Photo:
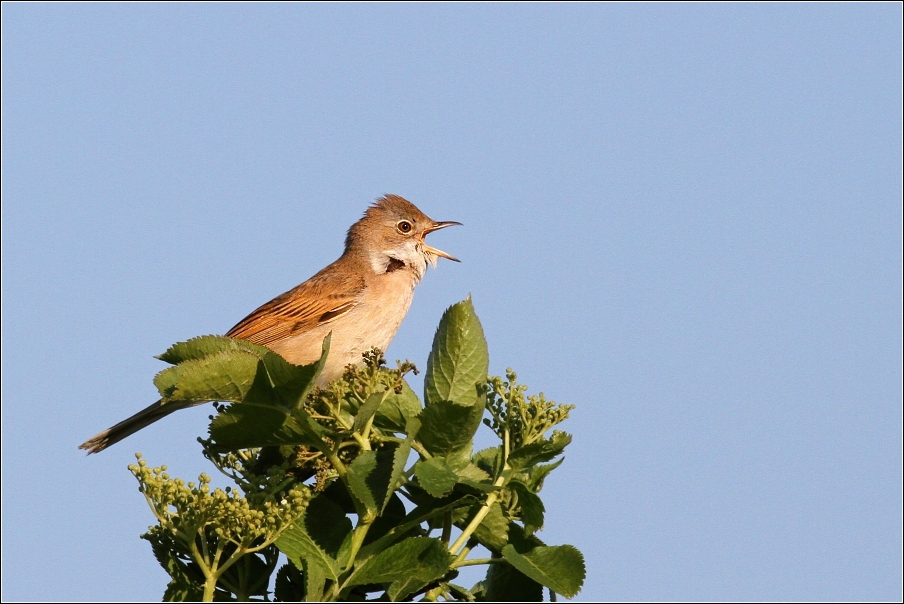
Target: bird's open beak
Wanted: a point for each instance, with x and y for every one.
(432, 250)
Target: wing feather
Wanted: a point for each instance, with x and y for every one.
(322, 298)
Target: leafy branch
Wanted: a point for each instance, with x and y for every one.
(307, 461)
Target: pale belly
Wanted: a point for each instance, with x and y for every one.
(373, 322)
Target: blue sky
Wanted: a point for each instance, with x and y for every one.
(683, 219)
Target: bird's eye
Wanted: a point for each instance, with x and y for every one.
(404, 227)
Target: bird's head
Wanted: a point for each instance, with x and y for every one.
(391, 235)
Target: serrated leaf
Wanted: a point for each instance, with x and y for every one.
(367, 410)
(252, 572)
(400, 458)
(475, 486)
(400, 588)
(298, 546)
(338, 494)
(179, 591)
(447, 429)
(472, 472)
(458, 360)
(397, 409)
(314, 581)
(540, 451)
(521, 540)
(326, 523)
(289, 584)
(227, 375)
(431, 508)
(461, 593)
(240, 372)
(473, 477)
(488, 460)
(492, 532)
(246, 425)
(202, 346)
(389, 518)
(345, 550)
(558, 567)
(369, 476)
(185, 579)
(532, 508)
(424, 558)
(505, 583)
(539, 473)
(435, 476)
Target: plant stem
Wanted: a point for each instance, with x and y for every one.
(420, 449)
(358, 538)
(447, 527)
(501, 481)
(483, 511)
(210, 586)
(472, 543)
(476, 561)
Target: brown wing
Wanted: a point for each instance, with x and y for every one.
(322, 298)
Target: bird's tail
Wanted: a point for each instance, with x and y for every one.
(127, 427)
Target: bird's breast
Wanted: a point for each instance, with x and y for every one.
(373, 322)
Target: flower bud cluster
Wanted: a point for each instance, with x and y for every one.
(186, 510)
(525, 418)
(359, 382)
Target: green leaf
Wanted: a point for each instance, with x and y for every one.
(315, 541)
(185, 583)
(178, 590)
(472, 472)
(400, 588)
(238, 373)
(540, 451)
(459, 359)
(298, 546)
(435, 476)
(475, 478)
(369, 476)
(505, 583)
(400, 458)
(488, 460)
(492, 532)
(539, 473)
(246, 425)
(475, 487)
(367, 410)
(426, 510)
(447, 429)
(397, 409)
(389, 518)
(559, 567)
(326, 523)
(460, 592)
(338, 493)
(227, 375)
(251, 572)
(292, 383)
(423, 558)
(289, 585)
(521, 540)
(202, 346)
(531, 505)
(187, 580)
(314, 581)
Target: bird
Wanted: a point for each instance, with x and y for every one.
(360, 299)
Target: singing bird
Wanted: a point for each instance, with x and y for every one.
(361, 299)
